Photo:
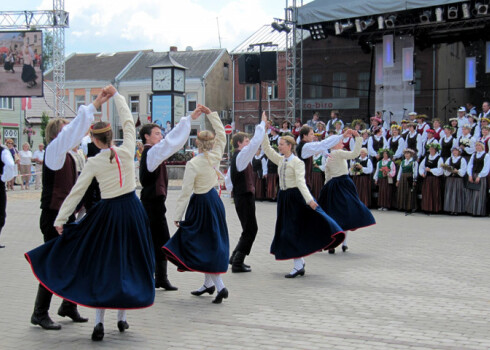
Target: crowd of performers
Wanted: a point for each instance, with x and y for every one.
(115, 254)
(416, 165)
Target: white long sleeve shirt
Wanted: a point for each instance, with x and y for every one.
(8, 166)
(312, 148)
(486, 165)
(462, 169)
(248, 152)
(365, 170)
(69, 137)
(401, 143)
(438, 171)
(174, 141)
(415, 167)
(383, 163)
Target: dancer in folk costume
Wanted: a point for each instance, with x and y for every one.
(154, 180)
(454, 192)
(466, 143)
(259, 167)
(406, 182)
(271, 180)
(476, 191)
(447, 142)
(414, 141)
(339, 198)
(396, 144)
(485, 137)
(361, 169)
(105, 260)
(436, 126)
(201, 242)
(302, 227)
(422, 126)
(383, 178)
(306, 136)
(431, 170)
(375, 143)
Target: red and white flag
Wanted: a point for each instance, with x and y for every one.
(26, 103)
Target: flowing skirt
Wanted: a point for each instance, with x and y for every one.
(339, 199)
(385, 193)
(318, 179)
(431, 194)
(300, 230)
(406, 196)
(476, 201)
(28, 73)
(259, 187)
(363, 187)
(201, 243)
(105, 260)
(272, 185)
(455, 195)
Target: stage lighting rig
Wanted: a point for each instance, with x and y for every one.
(452, 12)
(466, 11)
(317, 32)
(381, 22)
(439, 13)
(481, 9)
(425, 17)
(390, 21)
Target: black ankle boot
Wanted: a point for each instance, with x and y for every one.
(98, 333)
(40, 316)
(238, 265)
(233, 257)
(161, 279)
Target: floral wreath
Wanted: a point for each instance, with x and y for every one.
(387, 150)
(433, 145)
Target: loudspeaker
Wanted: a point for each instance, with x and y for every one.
(248, 69)
(268, 66)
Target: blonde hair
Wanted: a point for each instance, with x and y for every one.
(205, 141)
(103, 137)
(53, 128)
(290, 141)
(26, 144)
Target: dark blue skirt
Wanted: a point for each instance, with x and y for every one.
(28, 73)
(105, 260)
(340, 200)
(300, 230)
(201, 243)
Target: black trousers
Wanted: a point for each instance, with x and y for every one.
(245, 208)
(3, 205)
(155, 209)
(43, 298)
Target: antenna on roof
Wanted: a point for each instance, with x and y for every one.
(219, 37)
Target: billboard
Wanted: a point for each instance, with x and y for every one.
(20, 64)
(161, 111)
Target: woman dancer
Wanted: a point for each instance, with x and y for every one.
(430, 169)
(339, 197)
(201, 242)
(383, 178)
(361, 170)
(478, 169)
(454, 194)
(28, 73)
(318, 174)
(106, 260)
(406, 182)
(302, 227)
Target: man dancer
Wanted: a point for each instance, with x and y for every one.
(306, 135)
(7, 172)
(242, 179)
(153, 178)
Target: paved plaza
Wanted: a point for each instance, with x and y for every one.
(415, 282)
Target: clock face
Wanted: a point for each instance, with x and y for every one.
(179, 80)
(162, 79)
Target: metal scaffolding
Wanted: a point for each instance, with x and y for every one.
(57, 21)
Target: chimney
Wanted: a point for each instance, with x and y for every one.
(173, 48)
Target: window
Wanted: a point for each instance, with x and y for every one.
(35, 38)
(363, 84)
(249, 128)
(134, 103)
(316, 90)
(250, 92)
(339, 84)
(418, 82)
(94, 97)
(274, 91)
(6, 103)
(226, 71)
(79, 101)
(191, 101)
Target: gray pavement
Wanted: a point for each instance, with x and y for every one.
(414, 282)
(11, 84)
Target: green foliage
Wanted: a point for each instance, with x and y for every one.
(44, 122)
(47, 58)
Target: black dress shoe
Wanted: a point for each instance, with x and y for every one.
(72, 313)
(209, 290)
(231, 260)
(122, 325)
(98, 333)
(300, 272)
(165, 284)
(238, 264)
(2, 246)
(331, 251)
(45, 322)
(223, 294)
(344, 248)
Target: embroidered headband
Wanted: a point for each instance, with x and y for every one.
(100, 131)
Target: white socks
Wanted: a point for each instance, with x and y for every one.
(208, 282)
(298, 265)
(99, 316)
(345, 240)
(218, 282)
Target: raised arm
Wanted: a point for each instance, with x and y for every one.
(247, 153)
(273, 156)
(312, 148)
(127, 122)
(351, 154)
(220, 137)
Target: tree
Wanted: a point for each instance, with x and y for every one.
(47, 58)
(44, 122)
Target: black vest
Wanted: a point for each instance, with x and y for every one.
(446, 147)
(412, 142)
(456, 165)
(394, 144)
(257, 166)
(154, 183)
(57, 184)
(308, 164)
(242, 180)
(431, 164)
(377, 144)
(478, 164)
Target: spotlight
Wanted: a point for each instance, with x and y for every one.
(338, 29)
(390, 21)
(452, 13)
(425, 17)
(381, 22)
(358, 25)
(367, 23)
(439, 12)
(317, 32)
(280, 27)
(466, 11)
(345, 26)
(481, 9)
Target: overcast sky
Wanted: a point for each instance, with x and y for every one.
(122, 25)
